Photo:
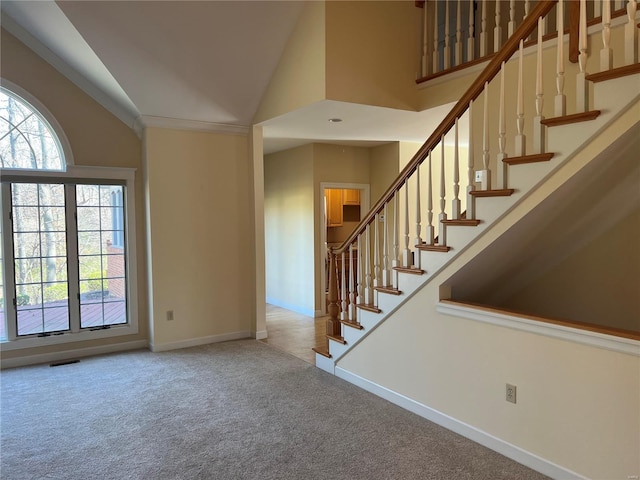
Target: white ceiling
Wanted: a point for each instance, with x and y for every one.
(195, 61)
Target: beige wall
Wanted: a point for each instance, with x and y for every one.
(592, 285)
(289, 229)
(372, 52)
(199, 201)
(299, 79)
(96, 137)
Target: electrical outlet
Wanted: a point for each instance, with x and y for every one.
(511, 393)
(169, 315)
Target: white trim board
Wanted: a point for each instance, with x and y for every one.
(577, 335)
(195, 342)
(485, 439)
(146, 121)
(73, 353)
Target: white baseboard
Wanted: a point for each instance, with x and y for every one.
(259, 335)
(72, 354)
(483, 438)
(194, 342)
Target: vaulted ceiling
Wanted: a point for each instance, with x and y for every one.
(194, 61)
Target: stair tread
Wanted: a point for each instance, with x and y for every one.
(352, 324)
(337, 338)
(504, 192)
(411, 270)
(614, 73)
(573, 118)
(536, 157)
(389, 290)
(463, 222)
(369, 308)
(433, 247)
(324, 351)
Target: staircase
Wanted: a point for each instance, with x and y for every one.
(397, 254)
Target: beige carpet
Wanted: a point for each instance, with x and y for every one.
(236, 410)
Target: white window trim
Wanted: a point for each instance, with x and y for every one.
(90, 173)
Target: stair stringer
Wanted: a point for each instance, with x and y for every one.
(448, 369)
(565, 141)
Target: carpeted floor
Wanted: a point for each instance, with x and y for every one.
(236, 410)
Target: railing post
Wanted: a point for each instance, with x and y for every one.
(582, 89)
(343, 288)
(483, 30)
(631, 34)
(430, 228)
(368, 288)
(436, 53)
(471, 204)
(459, 34)
(512, 17)
(394, 262)
(538, 128)
(425, 41)
(333, 324)
(606, 58)
(560, 107)
(497, 31)
(471, 40)
(485, 173)
(386, 280)
(520, 144)
(456, 208)
(442, 233)
(446, 54)
(407, 261)
(502, 134)
(352, 286)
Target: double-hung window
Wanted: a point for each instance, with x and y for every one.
(67, 265)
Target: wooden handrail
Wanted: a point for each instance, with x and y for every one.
(529, 24)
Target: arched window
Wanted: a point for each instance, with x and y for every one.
(27, 140)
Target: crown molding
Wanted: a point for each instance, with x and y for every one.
(152, 121)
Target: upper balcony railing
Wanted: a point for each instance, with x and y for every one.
(457, 34)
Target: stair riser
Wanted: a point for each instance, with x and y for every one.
(336, 349)
(326, 364)
(352, 335)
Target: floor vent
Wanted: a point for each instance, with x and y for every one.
(64, 362)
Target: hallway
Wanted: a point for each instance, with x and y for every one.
(294, 333)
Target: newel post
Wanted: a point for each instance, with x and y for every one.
(333, 323)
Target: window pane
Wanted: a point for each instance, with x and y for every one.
(87, 195)
(89, 243)
(24, 194)
(56, 319)
(29, 296)
(26, 219)
(90, 267)
(26, 245)
(88, 218)
(91, 291)
(115, 313)
(91, 315)
(55, 294)
(52, 219)
(51, 195)
(30, 321)
(28, 270)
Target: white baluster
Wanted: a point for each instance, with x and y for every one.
(497, 30)
(447, 48)
(442, 234)
(520, 144)
(538, 128)
(560, 105)
(485, 173)
(459, 34)
(471, 211)
(502, 154)
(343, 289)
(406, 253)
(368, 288)
(352, 287)
(512, 17)
(631, 35)
(526, 9)
(483, 30)
(430, 228)
(582, 89)
(360, 279)
(418, 208)
(376, 252)
(471, 41)
(606, 57)
(456, 206)
(436, 52)
(386, 277)
(396, 252)
(425, 41)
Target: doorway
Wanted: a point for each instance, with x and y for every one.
(342, 207)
